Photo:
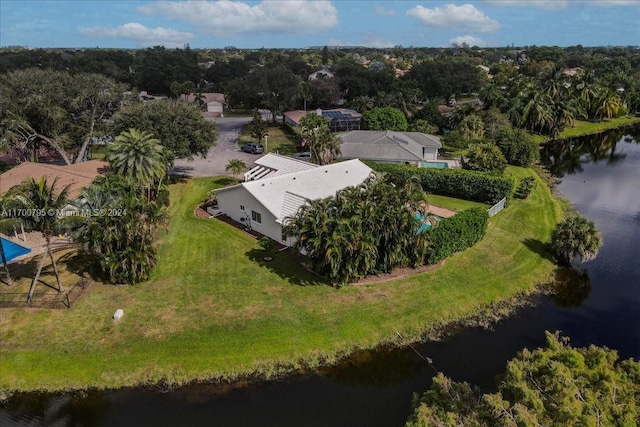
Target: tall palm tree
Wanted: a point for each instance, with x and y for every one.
(576, 236)
(39, 202)
(139, 156)
(471, 127)
(606, 104)
(235, 166)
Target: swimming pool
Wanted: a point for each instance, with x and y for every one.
(434, 165)
(13, 250)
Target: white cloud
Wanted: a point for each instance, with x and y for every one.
(383, 11)
(607, 3)
(469, 40)
(142, 35)
(232, 17)
(462, 18)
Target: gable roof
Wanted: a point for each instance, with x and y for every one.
(272, 165)
(386, 145)
(283, 195)
(77, 175)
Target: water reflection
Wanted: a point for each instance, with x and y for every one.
(569, 156)
(569, 287)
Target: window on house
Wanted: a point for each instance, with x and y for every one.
(256, 216)
(241, 207)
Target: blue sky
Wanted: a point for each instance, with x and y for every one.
(300, 23)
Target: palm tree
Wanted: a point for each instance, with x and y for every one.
(139, 156)
(235, 166)
(362, 104)
(471, 127)
(606, 104)
(40, 202)
(574, 237)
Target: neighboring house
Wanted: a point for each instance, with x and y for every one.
(324, 72)
(272, 165)
(143, 95)
(389, 146)
(341, 119)
(215, 102)
(264, 204)
(77, 175)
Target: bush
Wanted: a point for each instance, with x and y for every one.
(485, 158)
(462, 184)
(267, 244)
(525, 186)
(384, 118)
(456, 234)
(518, 147)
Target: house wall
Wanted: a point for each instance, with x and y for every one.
(230, 203)
(289, 121)
(430, 153)
(214, 107)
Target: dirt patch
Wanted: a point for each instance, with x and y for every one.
(397, 273)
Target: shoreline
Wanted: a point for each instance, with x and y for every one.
(329, 327)
(593, 128)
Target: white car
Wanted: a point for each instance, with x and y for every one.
(306, 156)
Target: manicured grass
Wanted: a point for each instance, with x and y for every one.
(214, 310)
(587, 128)
(456, 205)
(278, 141)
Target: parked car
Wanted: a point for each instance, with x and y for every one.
(306, 156)
(253, 148)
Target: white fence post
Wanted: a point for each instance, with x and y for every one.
(493, 210)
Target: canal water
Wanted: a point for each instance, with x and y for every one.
(600, 175)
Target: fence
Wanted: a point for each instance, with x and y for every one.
(51, 300)
(493, 210)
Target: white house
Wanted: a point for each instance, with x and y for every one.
(389, 146)
(264, 204)
(324, 72)
(215, 102)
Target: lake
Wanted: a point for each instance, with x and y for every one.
(600, 175)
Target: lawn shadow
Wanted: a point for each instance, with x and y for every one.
(538, 247)
(224, 181)
(285, 265)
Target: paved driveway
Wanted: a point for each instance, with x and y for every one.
(229, 129)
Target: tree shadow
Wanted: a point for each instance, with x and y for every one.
(285, 265)
(179, 175)
(224, 181)
(540, 248)
(568, 287)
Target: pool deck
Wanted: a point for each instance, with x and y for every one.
(36, 243)
(441, 212)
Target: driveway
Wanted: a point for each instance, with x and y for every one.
(229, 129)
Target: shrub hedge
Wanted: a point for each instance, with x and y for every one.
(462, 184)
(525, 187)
(455, 234)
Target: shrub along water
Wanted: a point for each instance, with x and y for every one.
(462, 184)
(456, 234)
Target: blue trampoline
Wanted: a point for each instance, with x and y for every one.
(12, 250)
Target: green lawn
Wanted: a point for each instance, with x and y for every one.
(277, 142)
(213, 310)
(450, 203)
(587, 128)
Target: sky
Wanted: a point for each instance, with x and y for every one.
(304, 23)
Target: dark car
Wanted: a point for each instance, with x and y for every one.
(252, 148)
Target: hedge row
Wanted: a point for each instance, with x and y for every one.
(456, 234)
(461, 184)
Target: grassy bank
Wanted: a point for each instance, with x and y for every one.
(214, 310)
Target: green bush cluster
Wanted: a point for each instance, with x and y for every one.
(456, 234)
(462, 184)
(524, 188)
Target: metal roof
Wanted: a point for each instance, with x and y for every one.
(283, 195)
